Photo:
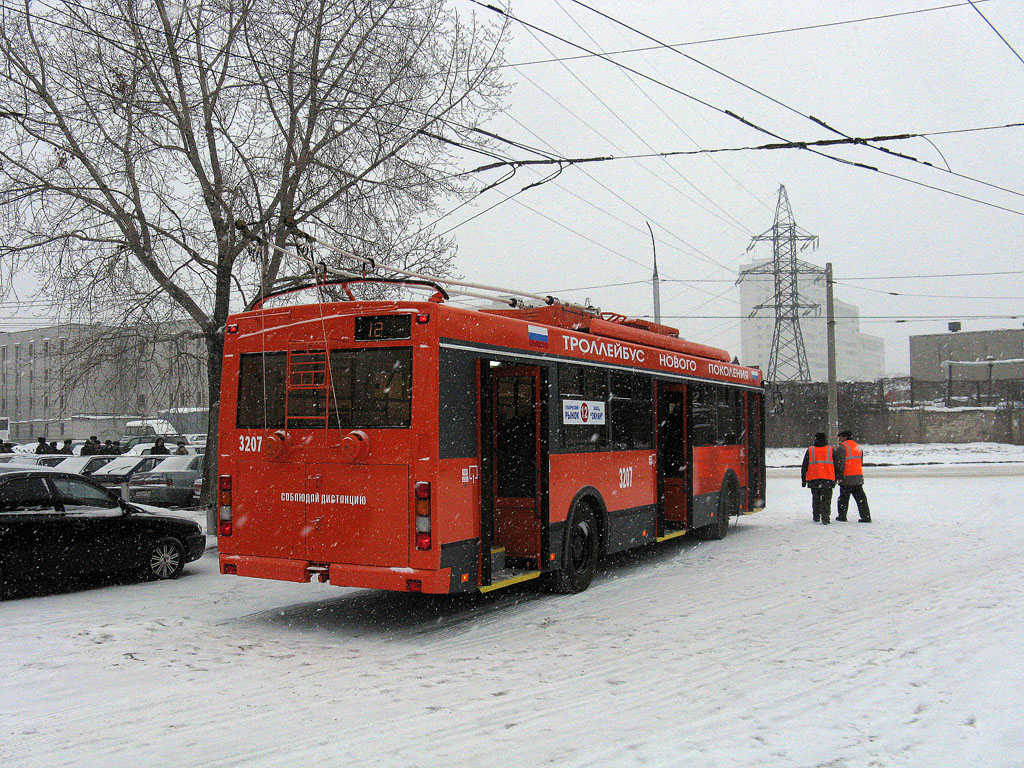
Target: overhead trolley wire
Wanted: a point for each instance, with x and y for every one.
(744, 36)
(753, 125)
(974, 5)
(928, 295)
(689, 246)
(782, 104)
(731, 220)
(938, 275)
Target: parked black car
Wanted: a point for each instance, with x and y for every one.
(56, 524)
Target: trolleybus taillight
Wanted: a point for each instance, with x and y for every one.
(224, 527)
(422, 493)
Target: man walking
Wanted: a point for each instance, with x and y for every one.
(850, 457)
(819, 471)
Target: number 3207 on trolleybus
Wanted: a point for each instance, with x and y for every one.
(422, 447)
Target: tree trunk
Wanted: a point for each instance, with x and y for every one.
(214, 364)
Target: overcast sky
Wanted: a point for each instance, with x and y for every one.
(933, 71)
(923, 68)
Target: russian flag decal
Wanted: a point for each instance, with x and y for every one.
(538, 335)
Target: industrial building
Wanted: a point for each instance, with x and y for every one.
(76, 380)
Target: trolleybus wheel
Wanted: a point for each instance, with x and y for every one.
(728, 500)
(166, 559)
(579, 560)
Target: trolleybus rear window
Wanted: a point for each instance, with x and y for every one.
(362, 388)
(372, 387)
(261, 391)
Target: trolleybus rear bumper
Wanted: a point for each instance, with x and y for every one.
(340, 575)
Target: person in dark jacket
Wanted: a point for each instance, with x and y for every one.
(159, 449)
(41, 446)
(67, 449)
(850, 457)
(89, 449)
(819, 472)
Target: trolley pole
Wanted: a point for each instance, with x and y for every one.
(830, 321)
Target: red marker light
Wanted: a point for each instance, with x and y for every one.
(232, 328)
(422, 318)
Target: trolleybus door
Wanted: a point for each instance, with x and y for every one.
(673, 455)
(516, 462)
(755, 440)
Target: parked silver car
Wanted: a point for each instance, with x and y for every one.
(123, 468)
(84, 465)
(169, 483)
(37, 459)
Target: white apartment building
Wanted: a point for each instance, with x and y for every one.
(859, 356)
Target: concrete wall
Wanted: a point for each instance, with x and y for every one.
(794, 412)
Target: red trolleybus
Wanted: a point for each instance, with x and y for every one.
(423, 447)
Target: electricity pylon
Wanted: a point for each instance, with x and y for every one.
(788, 358)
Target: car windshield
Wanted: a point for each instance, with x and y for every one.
(121, 465)
(97, 462)
(175, 463)
(73, 463)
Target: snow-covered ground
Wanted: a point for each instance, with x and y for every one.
(914, 453)
(899, 643)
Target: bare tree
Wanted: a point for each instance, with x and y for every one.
(134, 134)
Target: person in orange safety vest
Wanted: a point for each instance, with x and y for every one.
(819, 472)
(850, 457)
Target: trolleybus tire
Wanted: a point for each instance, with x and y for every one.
(728, 501)
(580, 551)
(165, 559)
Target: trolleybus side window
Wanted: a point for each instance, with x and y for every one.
(704, 427)
(631, 412)
(372, 388)
(730, 417)
(261, 391)
(577, 382)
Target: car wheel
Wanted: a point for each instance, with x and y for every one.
(166, 559)
(579, 560)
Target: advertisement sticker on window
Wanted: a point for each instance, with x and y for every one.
(583, 412)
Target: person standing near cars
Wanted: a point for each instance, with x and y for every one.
(182, 450)
(159, 449)
(67, 448)
(850, 457)
(41, 445)
(819, 472)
